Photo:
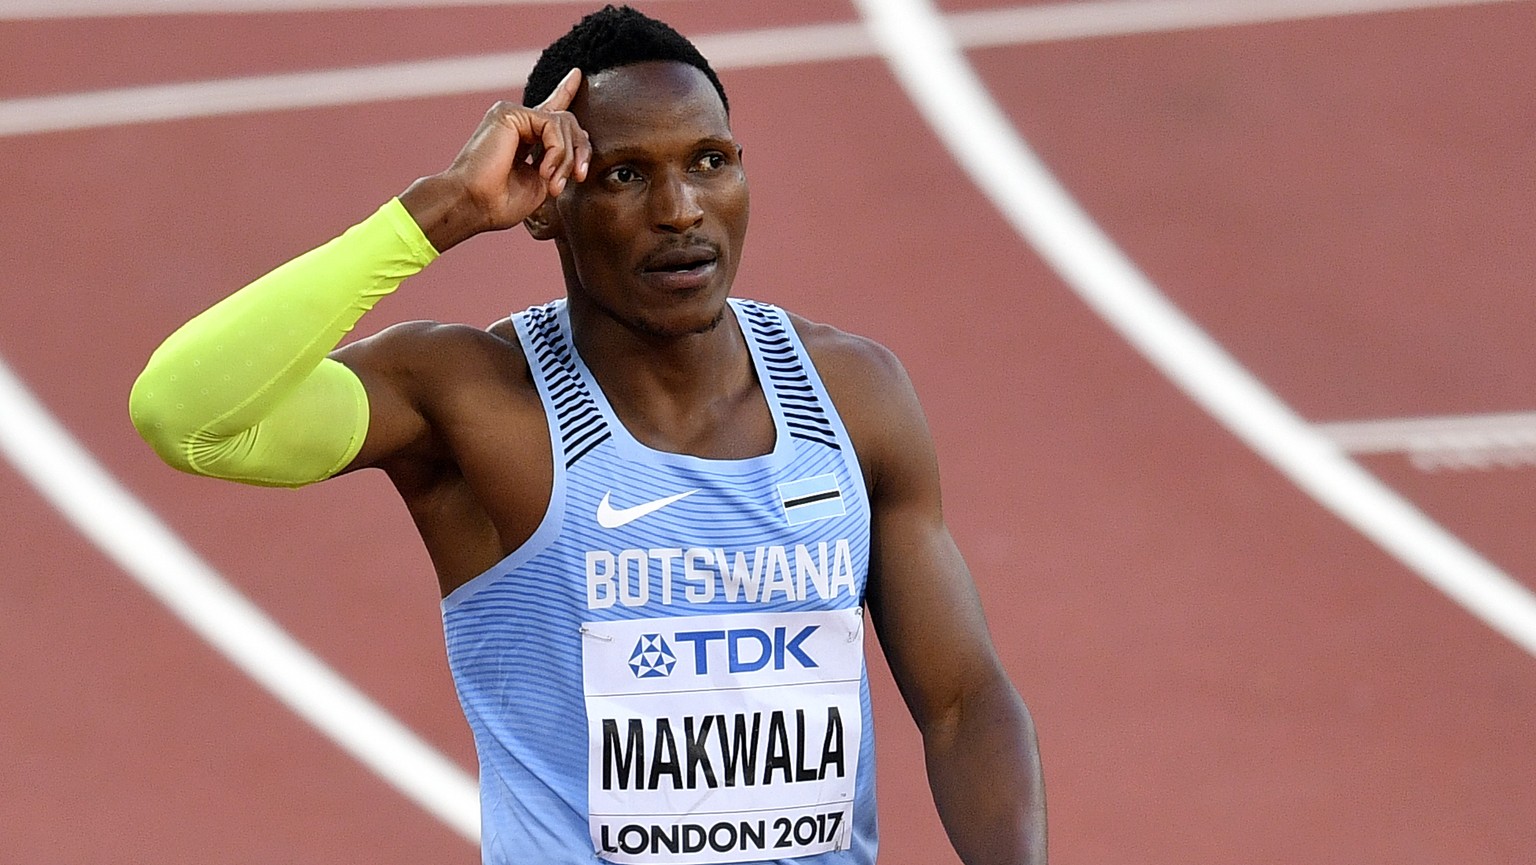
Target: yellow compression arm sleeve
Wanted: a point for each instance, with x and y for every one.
(245, 391)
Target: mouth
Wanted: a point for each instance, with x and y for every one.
(681, 260)
(681, 269)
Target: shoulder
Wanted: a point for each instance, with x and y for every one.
(438, 382)
(428, 352)
(423, 340)
(440, 396)
(873, 396)
(840, 355)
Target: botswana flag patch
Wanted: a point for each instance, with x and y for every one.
(811, 499)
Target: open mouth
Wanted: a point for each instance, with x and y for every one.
(681, 261)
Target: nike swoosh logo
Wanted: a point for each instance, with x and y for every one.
(610, 517)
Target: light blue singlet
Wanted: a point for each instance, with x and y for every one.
(671, 670)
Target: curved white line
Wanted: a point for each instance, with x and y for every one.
(106, 514)
(930, 65)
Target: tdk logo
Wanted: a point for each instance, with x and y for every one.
(747, 650)
(741, 650)
(652, 658)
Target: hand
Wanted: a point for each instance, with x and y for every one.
(516, 158)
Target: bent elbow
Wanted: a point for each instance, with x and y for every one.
(157, 418)
(306, 435)
(178, 433)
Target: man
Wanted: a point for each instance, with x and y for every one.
(656, 514)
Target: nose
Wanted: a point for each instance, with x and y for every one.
(675, 203)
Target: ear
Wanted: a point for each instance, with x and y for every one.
(544, 223)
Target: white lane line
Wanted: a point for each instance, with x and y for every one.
(505, 72)
(1389, 435)
(39, 9)
(1099, 18)
(1046, 21)
(282, 92)
(957, 106)
(112, 519)
(488, 73)
(1457, 442)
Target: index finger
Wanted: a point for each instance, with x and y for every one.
(564, 92)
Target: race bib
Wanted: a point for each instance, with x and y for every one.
(723, 738)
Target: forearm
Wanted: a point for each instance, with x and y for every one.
(984, 770)
(441, 206)
(245, 391)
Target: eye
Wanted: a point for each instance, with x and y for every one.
(711, 161)
(623, 175)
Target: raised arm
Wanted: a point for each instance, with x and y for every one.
(246, 390)
(978, 738)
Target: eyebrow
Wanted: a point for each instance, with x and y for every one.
(627, 150)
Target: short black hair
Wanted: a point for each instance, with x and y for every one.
(613, 36)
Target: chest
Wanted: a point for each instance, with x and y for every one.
(734, 426)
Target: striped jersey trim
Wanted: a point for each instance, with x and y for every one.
(580, 423)
(804, 414)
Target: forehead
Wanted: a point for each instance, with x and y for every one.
(648, 104)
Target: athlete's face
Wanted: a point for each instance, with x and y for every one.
(653, 236)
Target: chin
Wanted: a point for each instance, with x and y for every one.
(674, 326)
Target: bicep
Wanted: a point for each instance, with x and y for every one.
(397, 423)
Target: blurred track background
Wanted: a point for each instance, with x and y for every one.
(1222, 669)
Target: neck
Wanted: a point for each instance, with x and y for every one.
(617, 349)
(692, 393)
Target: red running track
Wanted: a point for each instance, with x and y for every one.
(1221, 670)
